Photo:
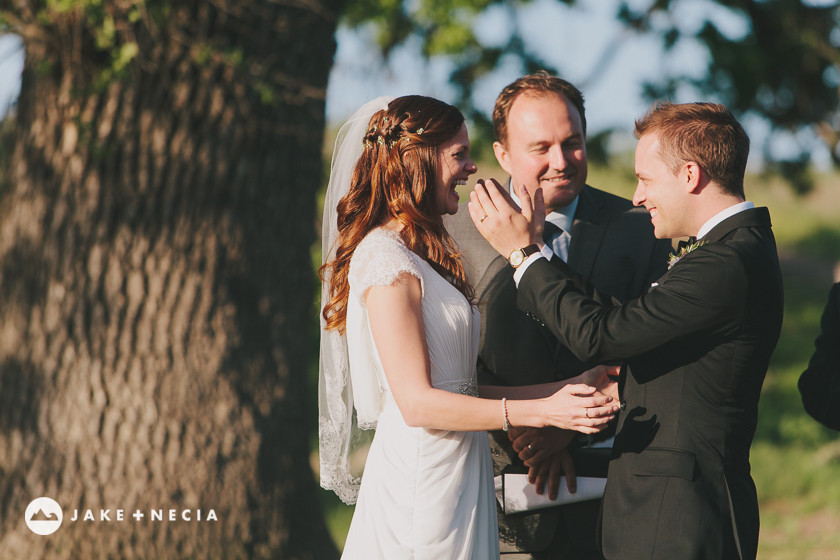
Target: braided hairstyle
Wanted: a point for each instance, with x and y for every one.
(395, 179)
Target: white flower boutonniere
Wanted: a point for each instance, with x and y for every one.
(683, 251)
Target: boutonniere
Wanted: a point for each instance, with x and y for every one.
(682, 250)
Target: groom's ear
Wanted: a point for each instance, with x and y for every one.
(502, 156)
(693, 177)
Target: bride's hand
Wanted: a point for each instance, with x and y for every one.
(581, 408)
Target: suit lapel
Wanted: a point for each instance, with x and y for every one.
(588, 229)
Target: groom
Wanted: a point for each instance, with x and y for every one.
(695, 347)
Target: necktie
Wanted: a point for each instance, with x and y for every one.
(553, 237)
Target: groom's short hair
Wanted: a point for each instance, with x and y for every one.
(706, 133)
(539, 83)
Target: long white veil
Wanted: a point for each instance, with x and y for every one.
(337, 426)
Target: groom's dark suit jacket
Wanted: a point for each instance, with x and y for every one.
(696, 349)
(612, 246)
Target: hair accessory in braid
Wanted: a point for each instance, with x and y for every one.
(390, 131)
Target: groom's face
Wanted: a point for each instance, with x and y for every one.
(663, 194)
(545, 148)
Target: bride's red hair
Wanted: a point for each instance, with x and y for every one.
(395, 178)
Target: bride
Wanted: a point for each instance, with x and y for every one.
(399, 341)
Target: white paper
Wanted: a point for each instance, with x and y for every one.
(518, 494)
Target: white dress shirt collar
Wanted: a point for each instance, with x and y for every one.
(720, 216)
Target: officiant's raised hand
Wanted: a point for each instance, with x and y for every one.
(501, 222)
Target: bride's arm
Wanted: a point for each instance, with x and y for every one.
(524, 391)
(396, 323)
(603, 378)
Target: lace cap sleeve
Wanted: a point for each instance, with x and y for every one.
(379, 259)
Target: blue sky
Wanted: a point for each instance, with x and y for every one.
(11, 65)
(574, 40)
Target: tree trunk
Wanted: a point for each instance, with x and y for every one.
(156, 284)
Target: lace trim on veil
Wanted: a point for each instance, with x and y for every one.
(338, 430)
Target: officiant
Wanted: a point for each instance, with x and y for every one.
(539, 122)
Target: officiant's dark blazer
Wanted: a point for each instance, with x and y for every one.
(696, 348)
(612, 246)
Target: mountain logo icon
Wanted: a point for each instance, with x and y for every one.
(43, 516)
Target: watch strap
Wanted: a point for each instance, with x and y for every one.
(518, 256)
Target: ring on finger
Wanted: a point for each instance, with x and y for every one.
(587, 412)
(530, 448)
(484, 217)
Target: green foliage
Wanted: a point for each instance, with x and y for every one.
(816, 473)
(823, 242)
(785, 68)
(99, 32)
(107, 37)
(446, 28)
(106, 34)
(337, 515)
(120, 57)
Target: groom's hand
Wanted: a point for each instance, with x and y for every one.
(603, 378)
(500, 221)
(545, 452)
(551, 471)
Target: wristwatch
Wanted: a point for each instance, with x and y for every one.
(518, 256)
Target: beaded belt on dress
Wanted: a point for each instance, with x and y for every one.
(465, 387)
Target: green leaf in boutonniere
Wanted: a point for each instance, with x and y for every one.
(675, 257)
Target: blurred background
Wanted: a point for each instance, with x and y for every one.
(162, 169)
(624, 55)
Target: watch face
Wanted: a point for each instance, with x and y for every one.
(516, 258)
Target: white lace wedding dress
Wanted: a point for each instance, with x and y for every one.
(424, 493)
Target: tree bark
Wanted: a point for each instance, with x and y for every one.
(156, 284)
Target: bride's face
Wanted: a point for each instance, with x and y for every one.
(454, 167)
